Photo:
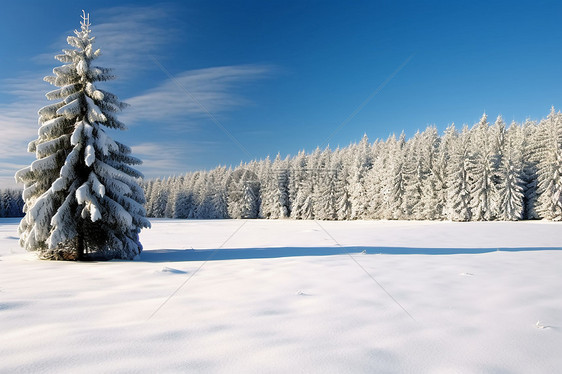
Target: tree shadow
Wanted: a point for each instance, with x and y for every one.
(179, 255)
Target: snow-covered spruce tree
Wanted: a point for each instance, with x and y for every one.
(510, 182)
(147, 187)
(482, 171)
(274, 188)
(326, 184)
(82, 197)
(158, 198)
(431, 204)
(361, 162)
(11, 203)
(218, 199)
(549, 168)
(302, 205)
(282, 201)
(212, 203)
(412, 175)
(458, 191)
(187, 198)
(204, 202)
(4, 203)
(441, 168)
(296, 177)
(173, 192)
(243, 191)
(342, 203)
(183, 198)
(529, 175)
(268, 189)
(387, 170)
(397, 181)
(373, 180)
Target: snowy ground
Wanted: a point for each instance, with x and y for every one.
(293, 297)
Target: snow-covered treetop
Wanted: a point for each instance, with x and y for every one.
(85, 24)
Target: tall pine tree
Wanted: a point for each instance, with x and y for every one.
(82, 197)
(549, 168)
(482, 170)
(510, 176)
(458, 191)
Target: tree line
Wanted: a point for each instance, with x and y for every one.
(11, 203)
(487, 172)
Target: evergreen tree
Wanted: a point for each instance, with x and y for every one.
(158, 199)
(482, 171)
(173, 187)
(361, 163)
(282, 201)
(326, 193)
(458, 190)
(147, 187)
(396, 181)
(198, 189)
(14, 203)
(431, 203)
(82, 197)
(212, 203)
(243, 193)
(18, 205)
(185, 201)
(530, 165)
(342, 202)
(510, 170)
(296, 178)
(374, 182)
(303, 204)
(549, 167)
(274, 189)
(441, 169)
(4, 203)
(11, 203)
(386, 170)
(267, 187)
(218, 192)
(413, 175)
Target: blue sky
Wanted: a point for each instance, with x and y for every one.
(280, 76)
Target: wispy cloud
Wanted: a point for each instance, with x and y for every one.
(169, 158)
(18, 117)
(215, 88)
(125, 35)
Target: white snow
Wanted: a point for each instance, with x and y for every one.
(292, 297)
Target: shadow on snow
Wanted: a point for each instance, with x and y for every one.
(177, 255)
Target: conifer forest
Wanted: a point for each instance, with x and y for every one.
(490, 171)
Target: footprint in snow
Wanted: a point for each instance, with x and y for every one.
(302, 293)
(466, 274)
(539, 325)
(166, 269)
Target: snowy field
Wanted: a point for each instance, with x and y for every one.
(292, 297)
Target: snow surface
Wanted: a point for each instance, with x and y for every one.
(292, 297)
